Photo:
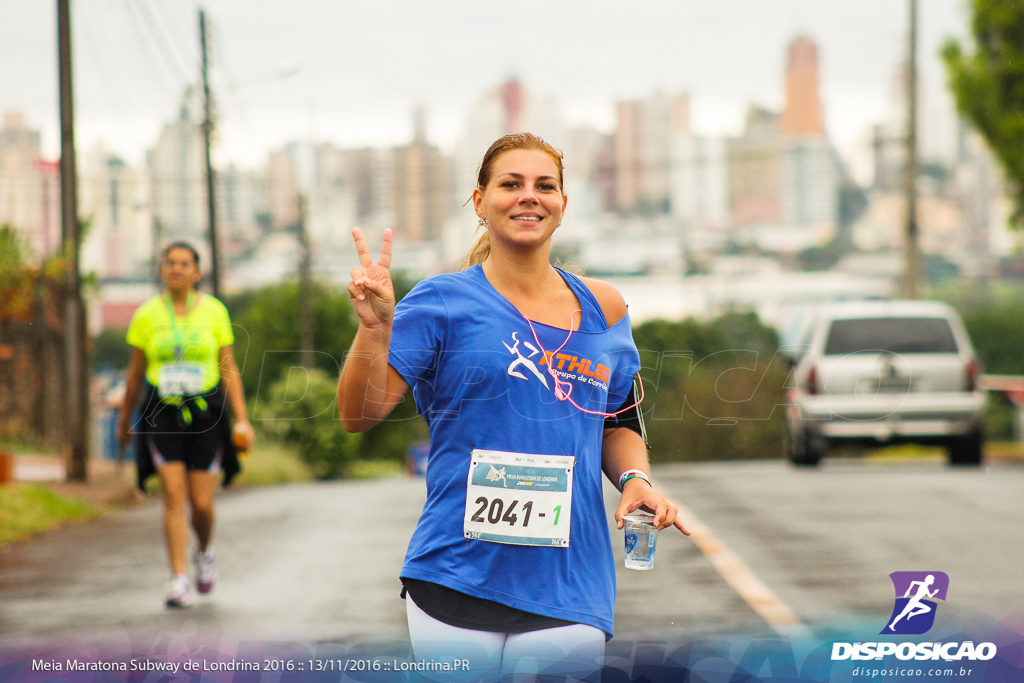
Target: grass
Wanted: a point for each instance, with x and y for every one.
(22, 447)
(30, 509)
(272, 463)
(278, 462)
(375, 469)
(27, 509)
(994, 450)
(1005, 450)
(907, 451)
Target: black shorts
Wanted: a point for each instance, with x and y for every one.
(191, 433)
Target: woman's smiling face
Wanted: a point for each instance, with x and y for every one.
(523, 201)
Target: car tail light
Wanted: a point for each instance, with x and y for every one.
(971, 373)
(812, 381)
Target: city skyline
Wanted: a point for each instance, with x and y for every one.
(133, 61)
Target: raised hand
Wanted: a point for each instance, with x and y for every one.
(371, 291)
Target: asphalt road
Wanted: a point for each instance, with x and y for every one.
(777, 548)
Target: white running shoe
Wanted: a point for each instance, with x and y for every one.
(206, 572)
(179, 594)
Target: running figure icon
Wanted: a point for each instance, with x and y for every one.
(523, 360)
(494, 474)
(915, 605)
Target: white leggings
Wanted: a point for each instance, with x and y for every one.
(567, 651)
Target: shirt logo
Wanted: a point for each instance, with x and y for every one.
(523, 361)
(914, 612)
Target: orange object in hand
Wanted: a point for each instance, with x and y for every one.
(241, 440)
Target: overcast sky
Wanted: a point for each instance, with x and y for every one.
(363, 65)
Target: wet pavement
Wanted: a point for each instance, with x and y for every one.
(320, 562)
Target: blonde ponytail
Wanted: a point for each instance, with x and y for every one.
(478, 254)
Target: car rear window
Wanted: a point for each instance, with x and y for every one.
(894, 335)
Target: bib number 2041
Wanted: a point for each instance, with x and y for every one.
(493, 511)
(519, 498)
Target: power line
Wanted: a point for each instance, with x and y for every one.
(148, 47)
(132, 57)
(93, 51)
(156, 28)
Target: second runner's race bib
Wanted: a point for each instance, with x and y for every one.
(180, 379)
(519, 498)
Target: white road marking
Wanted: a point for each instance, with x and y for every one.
(737, 574)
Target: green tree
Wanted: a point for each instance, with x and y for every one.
(823, 257)
(995, 324)
(266, 326)
(302, 410)
(12, 249)
(997, 330)
(110, 350)
(713, 389)
(268, 348)
(14, 273)
(988, 87)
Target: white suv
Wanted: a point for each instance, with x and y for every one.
(886, 372)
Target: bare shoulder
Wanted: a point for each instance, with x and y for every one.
(609, 298)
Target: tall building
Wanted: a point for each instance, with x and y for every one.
(119, 238)
(418, 188)
(700, 181)
(177, 168)
(809, 171)
(754, 178)
(589, 177)
(332, 202)
(240, 200)
(977, 178)
(282, 188)
(889, 137)
(643, 143)
(360, 173)
(29, 187)
(802, 114)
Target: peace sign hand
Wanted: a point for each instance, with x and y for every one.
(371, 291)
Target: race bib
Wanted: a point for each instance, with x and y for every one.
(179, 379)
(519, 498)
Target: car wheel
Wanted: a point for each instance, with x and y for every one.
(967, 450)
(804, 450)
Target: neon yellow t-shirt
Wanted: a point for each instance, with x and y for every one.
(192, 340)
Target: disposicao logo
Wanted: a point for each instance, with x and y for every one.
(916, 592)
(914, 614)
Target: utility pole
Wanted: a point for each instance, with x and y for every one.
(76, 371)
(211, 198)
(305, 288)
(911, 244)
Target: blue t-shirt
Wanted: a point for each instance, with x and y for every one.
(481, 382)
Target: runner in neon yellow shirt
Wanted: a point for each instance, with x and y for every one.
(182, 356)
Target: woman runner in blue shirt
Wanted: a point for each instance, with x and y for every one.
(524, 373)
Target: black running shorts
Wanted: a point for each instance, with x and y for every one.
(190, 433)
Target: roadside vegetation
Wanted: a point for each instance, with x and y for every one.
(714, 390)
(28, 509)
(993, 314)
